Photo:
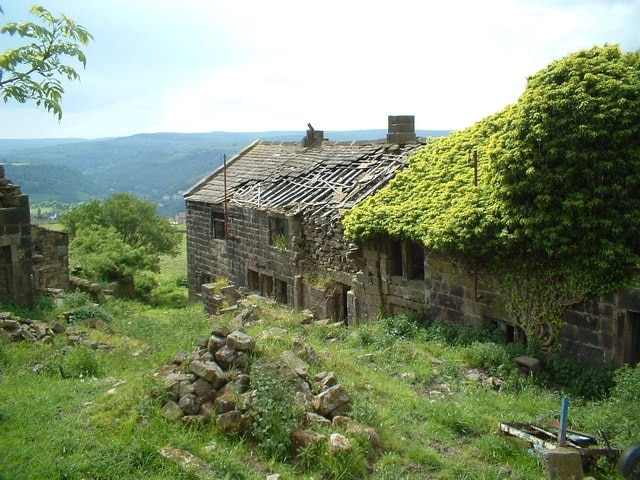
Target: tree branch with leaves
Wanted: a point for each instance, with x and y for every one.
(33, 72)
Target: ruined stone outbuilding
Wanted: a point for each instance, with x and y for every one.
(32, 258)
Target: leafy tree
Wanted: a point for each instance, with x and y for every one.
(555, 215)
(33, 71)
(116, 238)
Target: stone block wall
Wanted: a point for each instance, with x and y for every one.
(364, 284)
(16, 280)
(604, 329)
(50, 258)
(246, 251)
(207, 257)
(324, 244)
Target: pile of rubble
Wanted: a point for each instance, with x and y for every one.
(214, 384)
(16, 328)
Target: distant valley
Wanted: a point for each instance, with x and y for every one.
(157, 167)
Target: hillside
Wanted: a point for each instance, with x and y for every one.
(153, 166)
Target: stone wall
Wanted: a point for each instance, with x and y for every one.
(321, 271)
(245, 257)
(50, 258)
(16, 282)
(601, 330)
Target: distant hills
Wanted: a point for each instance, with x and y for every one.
(157, 167)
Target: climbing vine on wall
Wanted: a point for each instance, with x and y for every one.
(557, 200)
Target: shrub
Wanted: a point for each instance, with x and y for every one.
(75, 299)
(627, 384)
(169, 296)
(274, 409)
(145, 283)
(89, 311)
(590, 383)
(404, 326)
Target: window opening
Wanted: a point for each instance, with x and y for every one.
(280, 291)
(415, 260)
(277, 231)
(218, 227)
(395, 259)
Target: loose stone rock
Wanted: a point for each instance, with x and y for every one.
(333, 401)
(171, 411)
(228, 357)
(241, 341)
(339, 443)
(190, 404)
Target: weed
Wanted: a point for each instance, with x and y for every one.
(275, 411)
(81, 362)
(89, 311)
(76, 299)
(627, 384)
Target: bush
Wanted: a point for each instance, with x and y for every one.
(145, 283)
(589, 383)
(169, 296)
(404, 326)
(76, 299)
(274, 409)
(89, 311)
(627, 384)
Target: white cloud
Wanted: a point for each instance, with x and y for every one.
(255, 65)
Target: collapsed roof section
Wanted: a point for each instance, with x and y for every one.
(288, 177)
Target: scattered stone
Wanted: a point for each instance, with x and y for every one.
(333, 401)
(186, 460)
(231, 422)
(325, 380)
(189, 404)
(529, 363)
(204, 390)
(295, 363)
(229, 357)
(241, 341)
(306, 438)
(215, 343)
(313, 418)
(210, 371)
(307, 317)
(220, 331)
(274, 332)
(224, 403)
(171, 411)
(339, 443)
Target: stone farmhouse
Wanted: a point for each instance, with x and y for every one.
(32, 258)
(270, 219)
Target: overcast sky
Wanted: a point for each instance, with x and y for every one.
(234, 65)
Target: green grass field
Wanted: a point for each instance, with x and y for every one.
(408, 382)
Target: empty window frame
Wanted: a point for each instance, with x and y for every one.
(253, 279)
(415, 261)
(218, 225)
(395, 259)
(277, 231)
(280, 290)
(406, 259)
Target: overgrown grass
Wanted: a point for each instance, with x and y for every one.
(408, 377)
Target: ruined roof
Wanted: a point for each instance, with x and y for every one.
(289, 177)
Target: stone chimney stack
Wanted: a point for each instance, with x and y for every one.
(402, 129)
(314, 137)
